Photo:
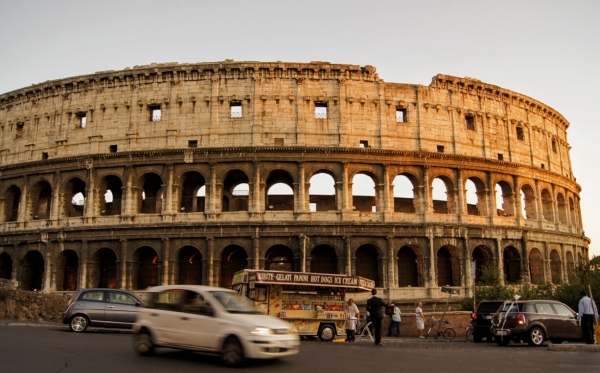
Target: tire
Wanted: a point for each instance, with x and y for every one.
(501, 341)
(79, 323)
(536, 336)
(448, 334)
(326, 333)
(142, 343)
(232, 354)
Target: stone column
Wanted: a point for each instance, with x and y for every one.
(165, 261)
(391, 272)
(124, 275)
(525, 275)
(303, 255)
(461, 200)
(211, 200)
(128, 196)
(56, 198)
(301, 202)
(426, 202)
(256, 253)
(490, 192)
(432, 286)
(347, 245)
(257, 202)
(346, 189)
(49, 284)
(83, 272)
(211, 260)
(500, 262)
(168, 207)
(388, 194)
(23, 203)
(518, 201)
(90, 194)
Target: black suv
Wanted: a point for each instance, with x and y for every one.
(482, 320)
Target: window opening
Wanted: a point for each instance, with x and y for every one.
(192, 143)
(82, 119)
(44, 155)
(470, 122)
(554, 146)
(20, 127)
(236, 109)
(278, 141)
(320, 110)
(155, 113)
(520, 134)
(400, 115)
(112, 148)
(440, 148)
(364, 144)
(500, 157)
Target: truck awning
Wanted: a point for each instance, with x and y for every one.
(351, 283)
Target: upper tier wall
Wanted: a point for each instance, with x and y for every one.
(278, 102)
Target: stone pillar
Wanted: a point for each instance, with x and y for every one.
(23, 203)
(211, 260)
(349, 267)
(525, 275)
(168, 207)
(256, 253)
(211, 199)
(124, 275)
(301, 202)
(346, 189)
(500, 262)
(257, 199)
(56, 198)
(490, 192)
(432, 286)
(49, 284)
(461, 199)
(3, 211)
(518, 201)
(391, 273)
(91, 194)
(303, 255)
(83, 272)
(426, 199)
(128, 196)
(165, 261)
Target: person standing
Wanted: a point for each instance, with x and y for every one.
(353, 315)
(420, 318)
(374, 305)
(587, 313)
(395, 324)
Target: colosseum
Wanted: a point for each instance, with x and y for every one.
(185, 173)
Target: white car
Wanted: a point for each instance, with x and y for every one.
(210, 319)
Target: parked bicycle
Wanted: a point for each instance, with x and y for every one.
(436, 326)
(469, 332)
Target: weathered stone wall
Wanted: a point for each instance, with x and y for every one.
(32, 306)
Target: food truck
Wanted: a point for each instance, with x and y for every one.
(312, 302)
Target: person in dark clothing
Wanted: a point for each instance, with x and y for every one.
(374, 305)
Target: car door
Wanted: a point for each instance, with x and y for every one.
(163, 316)
(121, 309)
(570, 329)
(92, 303)
(198, 324)
(546, 315)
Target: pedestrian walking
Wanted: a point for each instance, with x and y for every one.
(420, 318)
(396, 322)
(587, 313)
(351, 320)
(374, 305)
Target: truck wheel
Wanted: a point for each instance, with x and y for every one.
(326, 333)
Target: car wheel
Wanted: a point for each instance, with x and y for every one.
(79, 323)
(477, 338)
(142, 342)
(501, 341)
(536, 336)
(326, 333)
(232, 354)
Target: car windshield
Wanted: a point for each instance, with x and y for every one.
(234, 303)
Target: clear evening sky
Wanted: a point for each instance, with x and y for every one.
(547, 50)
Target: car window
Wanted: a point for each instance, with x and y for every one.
(122, 298)
(529, 308)
(169, 300)
(516, 307)
(488, 307)
(234, 303)
(196, 304)
(563, 310)
(97, 295)
(545, 308)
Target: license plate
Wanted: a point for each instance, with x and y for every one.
(502, 332)
(488, 317)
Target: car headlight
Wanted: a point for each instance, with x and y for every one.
(261, 331)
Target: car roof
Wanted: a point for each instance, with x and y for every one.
(156, 289)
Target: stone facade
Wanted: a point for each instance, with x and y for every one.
(162, 174)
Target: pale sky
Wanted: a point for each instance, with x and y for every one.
(547, 50)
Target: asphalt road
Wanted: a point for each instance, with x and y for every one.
(57, 350)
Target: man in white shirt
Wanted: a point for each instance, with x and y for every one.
(587, 313)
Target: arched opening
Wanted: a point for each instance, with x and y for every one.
(562, 208)
(364, 195)
(112, 192)
(547, 206)
(42, 197)
(367, 264)
(67, 270)
(279, 258)
(32, 271)
(103, 269)
(404, 196)
(12, 202)
(5, 266)
(511, 261)
(322, 193)
(408, 267)
(481, 256)
(555, 267)
(323, 259)
(190, 200)
(505, 199)
(151, 194)
(74, 201)
(443, 196)
(476, 197)
(280, 191)
(236, 191)
(528, 198)
(536, 266)
(190, 266)
(233, 259)
(444, 268)
(145, 263)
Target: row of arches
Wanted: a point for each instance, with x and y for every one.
(145, 268)
(194, 192)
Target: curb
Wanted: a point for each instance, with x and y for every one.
(573, 347)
